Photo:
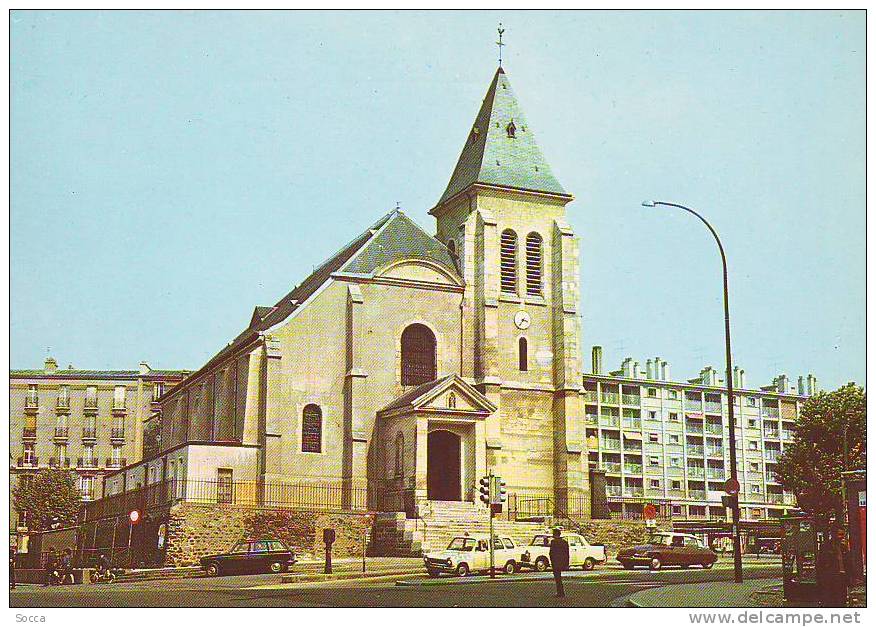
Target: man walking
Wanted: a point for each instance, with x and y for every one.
(559, 553)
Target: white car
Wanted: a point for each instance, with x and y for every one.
(581, 552)
(470, 553)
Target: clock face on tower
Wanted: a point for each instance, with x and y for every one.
(522, 320)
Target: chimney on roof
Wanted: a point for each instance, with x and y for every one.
(811, 385)
(801, 385)
(597, 360)
(627, 367)
(636, 372)
(741, 379)
(782, 383)
(50, 365)
(664, 371)
(649, 370)
(144, 368)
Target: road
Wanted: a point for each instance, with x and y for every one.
(606, 586)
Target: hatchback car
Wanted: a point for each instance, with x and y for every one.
(250, 556)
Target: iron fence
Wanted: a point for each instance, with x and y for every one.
(325, 495)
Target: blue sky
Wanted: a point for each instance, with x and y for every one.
(172, 170)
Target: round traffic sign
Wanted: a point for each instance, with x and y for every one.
(731, 486)
(649, 511)
(134, 516)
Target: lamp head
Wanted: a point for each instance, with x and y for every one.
(649, 203)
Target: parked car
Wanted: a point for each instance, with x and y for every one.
(470, 553)
(668, 549)
(250, 556)
(581, 552)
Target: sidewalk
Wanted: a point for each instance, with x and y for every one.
(749, 593)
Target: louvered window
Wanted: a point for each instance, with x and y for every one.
(533, 264)
(508, 262)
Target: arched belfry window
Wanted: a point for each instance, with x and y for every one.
(417, 355)
(311, 429)
(522, 354)
(533, 264)
(508, 262)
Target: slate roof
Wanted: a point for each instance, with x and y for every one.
(94, 374)
(392, 237)
(409, 397)
(400, 239)
(492, 157)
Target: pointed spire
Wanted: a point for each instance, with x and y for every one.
(501, 148)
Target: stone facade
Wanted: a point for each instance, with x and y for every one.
(194, 531)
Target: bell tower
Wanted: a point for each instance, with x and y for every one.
(504, 213)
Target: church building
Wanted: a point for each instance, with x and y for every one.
(409, 364)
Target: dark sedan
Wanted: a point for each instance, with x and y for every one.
(668, 549)
(250, 556)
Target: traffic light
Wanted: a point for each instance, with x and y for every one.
(485, 490)
(502, 490)
(730, 500)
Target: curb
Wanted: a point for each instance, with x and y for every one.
(307, 578)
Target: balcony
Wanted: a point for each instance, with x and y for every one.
(590, 396)
(87, 462)
(611, 398)
(715, 452)
(116, 463)
(713, 408)
(631, 399)
(714, 430)
(633, 446)
(771, 454)
(699, 495)
(693, 405)
(63, 462)
(772, 477)
(89, 433)
(63, 403)
(715, 473)
(591, 419)
(29, 433)
(634, 491)
(613, 490)
(693, 427)
(695, 450)
(787, 435)
(771, 434)
(28, 462)
(119, 407)
(632, 423)
(117, 433)
(61, 433)
(31, 402)
(607, 420)
(695, 472)
(633, 469)
(770, 412)
(612, 467)
(610, 445)
(90, 404)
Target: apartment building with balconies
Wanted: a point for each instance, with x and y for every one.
(667, 442)
(87, 421)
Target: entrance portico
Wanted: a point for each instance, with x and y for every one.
(446, 418)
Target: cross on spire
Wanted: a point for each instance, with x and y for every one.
(499, 43)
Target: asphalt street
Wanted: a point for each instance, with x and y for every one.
(606, 586)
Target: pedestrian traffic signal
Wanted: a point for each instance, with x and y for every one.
(485, 490)
(503, 490)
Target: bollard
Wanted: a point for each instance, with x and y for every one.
(328, 536)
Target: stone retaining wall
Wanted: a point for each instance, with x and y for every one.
(614, 534)
(196, 530)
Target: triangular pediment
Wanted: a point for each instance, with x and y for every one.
(450, 394)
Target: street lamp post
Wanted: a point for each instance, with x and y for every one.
(737, 543)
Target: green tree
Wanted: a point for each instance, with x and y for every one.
(48, 496)
(831, 437)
